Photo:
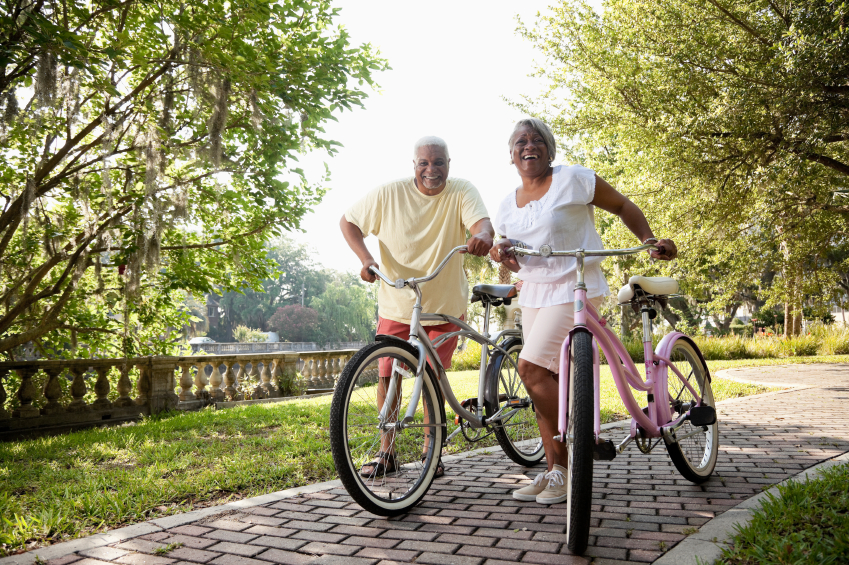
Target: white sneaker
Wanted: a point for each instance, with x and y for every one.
(530, 492)
(556, 490)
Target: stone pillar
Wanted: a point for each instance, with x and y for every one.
(257, 391)
(26, 394)
(143, 385)
(161, 395)
(241, 381)
(78, 390)
(53, 392)
(269, 390)
(102, 388)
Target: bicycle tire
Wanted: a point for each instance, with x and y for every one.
(580, 448)
(694, 456)
(355, 437)
(519, 436)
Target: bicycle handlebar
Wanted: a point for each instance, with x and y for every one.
(547, 251)
(401, 283)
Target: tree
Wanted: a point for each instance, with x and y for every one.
(296, 279)
(148, 146)
(295, 323)
(347, 310)
(726, 122)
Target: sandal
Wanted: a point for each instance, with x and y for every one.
(383, 464)
(440, 468)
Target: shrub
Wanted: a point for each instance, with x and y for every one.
(468, 358)
(295, 323)
(244, 334)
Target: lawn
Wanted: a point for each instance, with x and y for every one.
(804, 522)
(58, 488)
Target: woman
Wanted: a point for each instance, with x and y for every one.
(555, 206)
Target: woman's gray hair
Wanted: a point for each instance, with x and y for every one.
(428, 141)
(541, 128)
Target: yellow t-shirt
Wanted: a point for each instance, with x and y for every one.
(416, 232)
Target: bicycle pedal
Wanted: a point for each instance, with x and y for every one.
(516, 403)
(604, 450)
(702, 416)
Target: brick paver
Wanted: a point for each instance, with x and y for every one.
(642, 507)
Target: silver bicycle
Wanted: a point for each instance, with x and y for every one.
(387, 419)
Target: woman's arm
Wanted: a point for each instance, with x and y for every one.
(609, 199)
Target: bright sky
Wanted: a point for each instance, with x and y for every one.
(452, 62)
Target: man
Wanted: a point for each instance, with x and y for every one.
(417, 221)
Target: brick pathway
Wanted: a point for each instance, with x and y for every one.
(469, 516)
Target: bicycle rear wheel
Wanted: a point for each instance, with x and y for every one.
(356, 437)
(518, 435)
(580, 438)
(694, 454)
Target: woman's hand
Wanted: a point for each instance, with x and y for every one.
(499, 254)
(666, 250)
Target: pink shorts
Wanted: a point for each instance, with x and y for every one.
(445, 349)
(544, 330)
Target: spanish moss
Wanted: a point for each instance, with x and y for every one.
(45, 79)
(218, 121)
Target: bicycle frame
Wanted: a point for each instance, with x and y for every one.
(427, 351)
(657, 422)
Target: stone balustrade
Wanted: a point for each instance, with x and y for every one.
(64, 394)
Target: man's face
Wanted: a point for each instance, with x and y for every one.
(431, 166)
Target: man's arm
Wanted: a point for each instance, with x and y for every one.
(357, 243)
(481, 241)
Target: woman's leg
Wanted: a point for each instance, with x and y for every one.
(542, 386)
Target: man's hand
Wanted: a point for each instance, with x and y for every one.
(480, 244)
(499, 254)
(666, 250)
(367, 275)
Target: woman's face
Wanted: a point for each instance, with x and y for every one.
(529, 153)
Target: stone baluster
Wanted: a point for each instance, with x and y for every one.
(306, 372)
(4, 414)
(53, 392)
(125, 387)
(143, 385)
(257, 391)
(322, 371)
(186, 383)
(26, 394)
(200, 380)
(230, 390)
(268, 388)
(241, 381)
(102, 388)
(215, 380)
(78, 390)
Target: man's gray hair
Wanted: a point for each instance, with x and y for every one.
(428, 141)
(541, 128)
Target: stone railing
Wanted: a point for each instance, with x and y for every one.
(270, 347)
(65, 394)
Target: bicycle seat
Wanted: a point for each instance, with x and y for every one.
(658, 286)
(493, 292)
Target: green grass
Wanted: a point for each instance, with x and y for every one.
(807, 522)
(63, 487)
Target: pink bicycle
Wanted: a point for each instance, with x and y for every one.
(680, 410)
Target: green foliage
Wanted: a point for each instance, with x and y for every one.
(804, 522)
(244, 334)
(148, 148)
(725, 124)
(467, 358)
(347, 310)
(295, 323)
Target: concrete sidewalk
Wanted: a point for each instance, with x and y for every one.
(642, 509)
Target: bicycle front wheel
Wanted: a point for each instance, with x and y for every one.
(518, 434)
(384, 373)
(695, 452)
(580, 438)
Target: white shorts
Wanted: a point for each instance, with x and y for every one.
(544, 330)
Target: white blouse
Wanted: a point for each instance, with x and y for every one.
(564, 219)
